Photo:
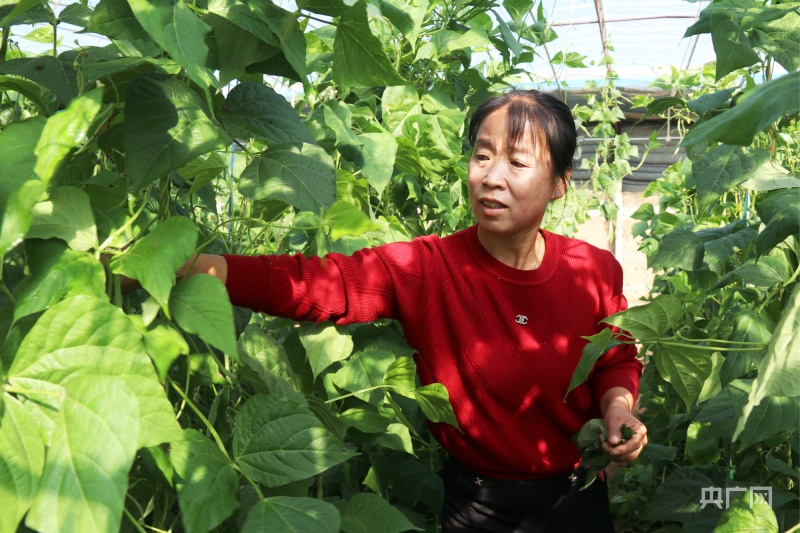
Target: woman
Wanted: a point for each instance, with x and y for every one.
(496, 313)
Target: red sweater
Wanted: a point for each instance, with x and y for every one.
(504, 342)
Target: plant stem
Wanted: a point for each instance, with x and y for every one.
(202, 418)
(360, 391)
(135, 522)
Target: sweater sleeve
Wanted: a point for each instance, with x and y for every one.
(619, 367)
(371, 284)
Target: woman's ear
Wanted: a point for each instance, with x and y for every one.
(562, 185)
(567, 178)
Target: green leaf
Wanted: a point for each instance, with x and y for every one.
(678, 249)
(57, 273)
(237, 50)
(179, 31)
(396, 436)
(781, 365)
(771, 417)
(359, 59)
(166, 126)
(206, 481)
(325, 344)
(277, 441)
(756, 16)
(21, 462)
(746, 514)
(267, 352)
(776, 465)
(344, 218)
(301, 175)
(733, 238)
(781, 40)
(292, 515)
(731, 45)
(405, 17)
(30, 90)
(286, 26)
(332, 8)
(765, 272)
(85, 476)
(364, 420)
(255, 110)
(115, 20)
(401, 374)
(51, 72)
(377, 158)
(89, 336)
(721, 169)
(66, 215)
(20, 190)
(701, 448)
(710, 102)
(398, 103)
(518, 9)
(155, 259)
(369, 513)
(771, 176)
(65, 131)
(748, 327)
(164, 344)
(661, 105)
(599, 344)
(686, 368)
(200, 305)
(434, 401)
(202, 170)
(678, 498)
(780, 211)
(650, 321)
(752, 114)
(365, 370)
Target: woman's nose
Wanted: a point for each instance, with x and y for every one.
(494, 174)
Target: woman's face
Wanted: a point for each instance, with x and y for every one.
(509, 187)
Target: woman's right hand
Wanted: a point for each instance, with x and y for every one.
(214, 265)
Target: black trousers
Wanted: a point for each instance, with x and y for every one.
(476, 503)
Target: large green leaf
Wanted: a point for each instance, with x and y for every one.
(237, 50)
(156, 257)
(598, 345)
(85, 476)
(179, 31)
(66, 215)
(56, 273)
(255, 110)
(200, 305)
(678, 249)
(721, 245)
(359, 59)
(765, 271)
(164, 344)
(649, 321)
(686, 368)
(301, 175)
(30, 90)
(772, 416)
(267, 351)
(721, 169)
(398, 103)
(166, 126)
(781, 39)
(20, 190)
(325, 344)
(344, 218)
(780, 211)
(731, 45)
(406, 16)
(781, 365)
(21, 462)
(286, 26)
(332, 8)
(115, 20)
(365, 370)
(292, 515)
(678, 498)
(54, 73)
(752, 114)
(402, 376)
(378, 153)
(206, 481)
(434, 400)
(369, 513)
(277, 441)
(746, 514)
(65, 131)
(88, 336)
(748, 327)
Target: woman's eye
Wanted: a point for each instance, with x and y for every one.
(518, 164)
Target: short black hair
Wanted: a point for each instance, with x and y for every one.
(543, 113)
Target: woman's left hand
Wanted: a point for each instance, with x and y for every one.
(614, 447)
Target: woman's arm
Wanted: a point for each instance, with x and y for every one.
(214, 265)
(616, 406)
